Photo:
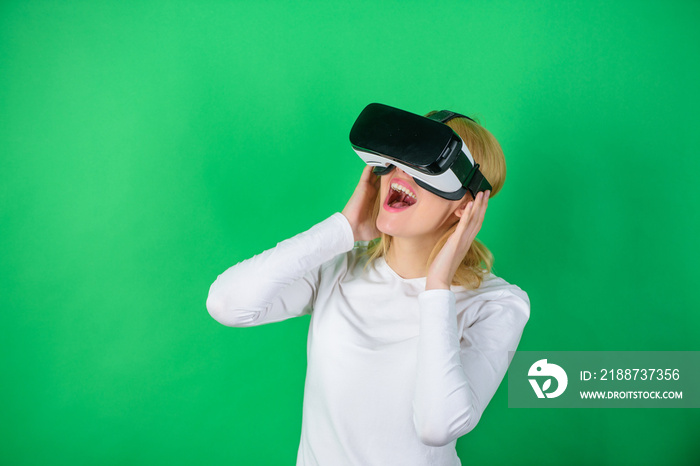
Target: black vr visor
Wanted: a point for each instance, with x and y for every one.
(425, 148)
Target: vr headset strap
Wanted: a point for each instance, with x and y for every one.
(476, 180)
(444, 116)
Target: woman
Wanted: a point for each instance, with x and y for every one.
(409, 334)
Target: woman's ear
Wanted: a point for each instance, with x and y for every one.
(463, 204)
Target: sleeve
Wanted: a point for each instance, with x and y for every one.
(281, 282)
(457, 379)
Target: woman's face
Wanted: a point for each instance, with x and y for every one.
(409, 211)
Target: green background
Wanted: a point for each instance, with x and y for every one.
(148, 146)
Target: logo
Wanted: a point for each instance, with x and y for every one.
(542, 368)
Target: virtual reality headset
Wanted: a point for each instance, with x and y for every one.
(423, 147)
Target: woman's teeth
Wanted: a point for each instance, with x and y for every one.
(398, 187)
(400, 197)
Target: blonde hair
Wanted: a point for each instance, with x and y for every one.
(488, 154)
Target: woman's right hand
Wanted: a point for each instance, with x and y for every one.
(358, 210)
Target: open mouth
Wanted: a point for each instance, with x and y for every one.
(400, 196)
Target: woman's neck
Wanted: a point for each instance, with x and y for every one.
(408, 257)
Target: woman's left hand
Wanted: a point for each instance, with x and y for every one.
(443, 268)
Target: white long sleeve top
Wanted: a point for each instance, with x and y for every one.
(395, 373)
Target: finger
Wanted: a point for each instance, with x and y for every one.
(476, 216)
(373, 177)
(479, 213)
(464, 219)
(368, 178)
(487, 196)
(470, 211)
(484, 205)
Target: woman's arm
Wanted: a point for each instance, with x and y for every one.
(281, 282)
(456, 381)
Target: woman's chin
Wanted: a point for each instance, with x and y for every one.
(401, 226)
(383, 226)
(391, 226)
